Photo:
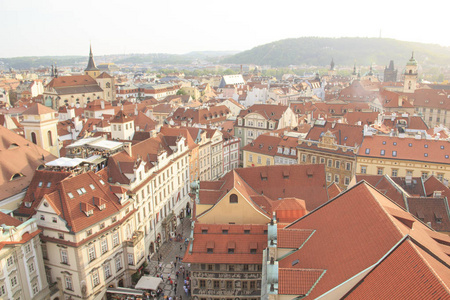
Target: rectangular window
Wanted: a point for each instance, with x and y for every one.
(91, 253)
(424, 175)
(115, 239)
(13, 281)
(69, 285)
(259, 159)
(380, 171)
(64, 257)
(118, 263)
(130, 259)
(104, 245)
(268, 162)
(303, 157)
(10, 261)
(330, 163)
(107, 271)
(336, 179)
(95, 279)
(229, 285)
(250, 158)
(363, 169)
(337, 164)
(347, 180)
(31, 267)
(394, 172)
(328, 177)
(348, 166)
(202, 283)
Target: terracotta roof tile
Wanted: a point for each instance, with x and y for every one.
(297, 281)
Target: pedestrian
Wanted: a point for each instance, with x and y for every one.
(160, 256)
(175, 286)
(171, 264)
(186, 290)
(162, 277)
(160, 266)
(175, 264)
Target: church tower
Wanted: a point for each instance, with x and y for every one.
(40, 127)
(91, 69)
(332, 71)
(409, 85)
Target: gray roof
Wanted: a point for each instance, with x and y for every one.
(78, 89)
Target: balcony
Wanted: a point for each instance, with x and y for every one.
(135, 239)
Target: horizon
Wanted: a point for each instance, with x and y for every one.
(52, 28)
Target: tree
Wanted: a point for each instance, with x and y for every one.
(181, 92)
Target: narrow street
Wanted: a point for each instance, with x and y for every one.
(169, 251)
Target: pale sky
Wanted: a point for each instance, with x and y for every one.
(51, 28)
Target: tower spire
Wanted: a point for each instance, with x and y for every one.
(91, 64)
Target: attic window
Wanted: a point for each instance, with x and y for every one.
(204, 231)
(442, 147)
(395, 143)
(92, 186)
(382, 152)
(27, 204)
(367, 150)
(16, 176)
(70, 195)
(40, 184)
(384, 142)
(224, 231)
(410, 145)
(102, 182)
(394, 153)
(438, 217)
(285, 174)
(247, 231)
(49, 184)
(446, 156)
(426, 146)
(425, 154)
(89, 212)
(295, 262)
(233, 198)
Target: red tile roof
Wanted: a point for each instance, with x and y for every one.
(432, 210)
(18, 156)
(236, 239)
(361, 227)
(38, 109)
(434, 151)
(297, 281)
(72, 209)
(405, 273)
(77, 80)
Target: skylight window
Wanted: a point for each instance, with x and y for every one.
(40, 184)
(382, 152)
(394, 153)
(102, 182)
(426, 146)
(49, 184)
(425, 154)
(442, 147)
(384, 142)
(395, 143)
(410, 144)
(446, 156)
(367, 150)
(70, 195)
(92, 186)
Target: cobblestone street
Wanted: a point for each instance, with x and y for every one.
(169, 251)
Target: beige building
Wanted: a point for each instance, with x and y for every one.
(399, 156)
(40, 127)
(262, 118)
(22, 272)
(335, 145)
(89, 237)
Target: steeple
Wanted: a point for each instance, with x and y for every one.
(91, 68)
(91, 64)
(332, 64)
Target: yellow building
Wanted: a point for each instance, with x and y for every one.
(404, 157)
(40, 127)
(270, 149)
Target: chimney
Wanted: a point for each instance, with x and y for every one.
(400, 101)
(102, 104)
(127, 148)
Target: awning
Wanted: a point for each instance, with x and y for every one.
(124, 291)
(148, 283)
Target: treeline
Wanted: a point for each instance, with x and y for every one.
(315, 51)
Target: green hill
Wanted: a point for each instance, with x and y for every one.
(345, 51)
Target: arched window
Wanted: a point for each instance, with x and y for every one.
(50, 140)
(16, 176)
(108, 85)
(233, 198)
(33, 138)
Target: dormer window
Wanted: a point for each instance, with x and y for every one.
(280, 150)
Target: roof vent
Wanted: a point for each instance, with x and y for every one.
(295, 262)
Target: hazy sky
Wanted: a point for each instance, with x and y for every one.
(47, 27)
